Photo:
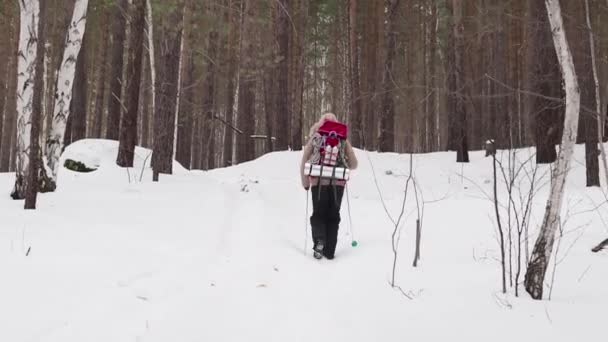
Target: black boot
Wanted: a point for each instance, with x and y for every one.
(318, 249)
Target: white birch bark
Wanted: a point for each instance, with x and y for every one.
(598, 100)
(26, 70)
(150, 35)
(179, 84)
(63, 91)
(545, 241)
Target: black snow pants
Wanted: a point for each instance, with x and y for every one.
(325, 219)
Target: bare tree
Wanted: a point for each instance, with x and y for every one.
(128, 127)
(63, 91)
(387, 121)
(283, 104)
(28, 42)
(31, 190)
(543, 247)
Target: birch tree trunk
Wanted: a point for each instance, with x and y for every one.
(63, 91)
(26, 70)
(151, 58)
(180, 66)
(31, 191)
(543, 247)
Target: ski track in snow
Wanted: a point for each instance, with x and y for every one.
(219, 256)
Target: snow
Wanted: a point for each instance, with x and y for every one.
(218, 256)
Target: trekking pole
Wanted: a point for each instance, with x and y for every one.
(306, 225)
(354, 242)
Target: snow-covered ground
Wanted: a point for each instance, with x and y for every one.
(218, 256)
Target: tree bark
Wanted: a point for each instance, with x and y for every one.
(578, 36)
(598, 102)
(387, 121)
(63, 91)
(31, 191)
(209, 101)
(162, 161)
(283, 105)
(10, 105)
(458, 119)
(117, 47)
(233, 46)
(356, 115)
(29, 10)
(128, 127)
(247, 84)
(543, 247)
(77, 115)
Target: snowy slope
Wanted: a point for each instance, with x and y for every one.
(218, 256)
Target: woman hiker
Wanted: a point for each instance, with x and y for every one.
(326, 191)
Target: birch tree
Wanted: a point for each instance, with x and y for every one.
(26, 71)
(543, 248)
(63, 91)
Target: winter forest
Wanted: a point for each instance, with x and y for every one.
(156, 147)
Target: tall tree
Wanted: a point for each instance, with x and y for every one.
(387, 120)
(63, 91)
(164, 120)
(356, 120)
(579, 39)
(128, 127)
(115, 106)
(10, 104)
(457, 87)
(77, 118)
(28, 43)
(209, 99)
(539, 261)
(247, 84)
(233, 44)
(283, 105)
(31, 191)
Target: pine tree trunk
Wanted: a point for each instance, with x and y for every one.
(63, 92)
(542, 73)
(10, 106)
(598, 102)
(247, 84)
(117, 47)
(209, 101)
(578, 36)
(387, 122)
(78, 104)
(458, 120)
(128, 127)
(356, 119)
(162, 158)
(101, 82)
(233, 46)
(186, 122)
(29, 10)
(543, 247)
(4, 71)
(283, 107)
